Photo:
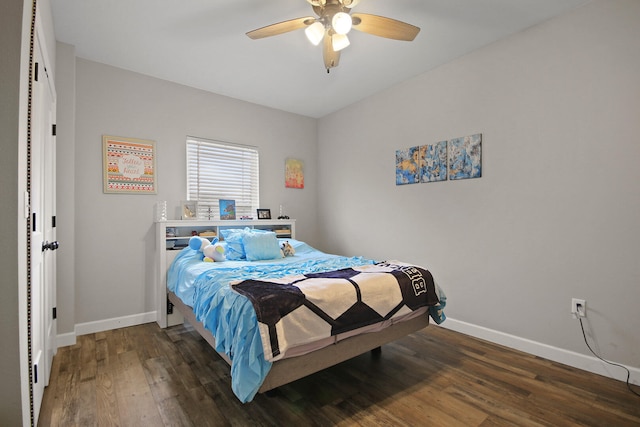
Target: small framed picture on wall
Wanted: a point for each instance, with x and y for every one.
(293, 173)
(129, 165)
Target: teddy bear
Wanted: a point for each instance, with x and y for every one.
(287, 249)
(212, 250)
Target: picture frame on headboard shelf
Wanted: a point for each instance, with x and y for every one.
(227, 209)
(264, 213)
(189, 210)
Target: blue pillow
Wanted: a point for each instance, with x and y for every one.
(235, 248)
(261, 246)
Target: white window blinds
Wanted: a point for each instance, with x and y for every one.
(222, 171)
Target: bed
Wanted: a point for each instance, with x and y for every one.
(276, 319)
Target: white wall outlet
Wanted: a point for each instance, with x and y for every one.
(578, 308)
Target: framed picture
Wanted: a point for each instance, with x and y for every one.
(189, 210)
(293, 173)
(129, 165)
(227, 209)
(264, 213)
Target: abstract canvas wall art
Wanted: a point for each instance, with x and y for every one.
(433, 162)
(465, 157)
(408, 166)
(457, 158)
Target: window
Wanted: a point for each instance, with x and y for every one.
(220, 170)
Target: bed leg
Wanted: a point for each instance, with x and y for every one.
(376, 352)
(271, 393)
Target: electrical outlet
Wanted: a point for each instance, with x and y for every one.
(578, 308)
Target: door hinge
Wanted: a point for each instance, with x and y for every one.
(169, 307)
(26, 205)
(35, 72)
(55, 312)
(33, 224)
(35, 373)
(53, 221)
(53, 129)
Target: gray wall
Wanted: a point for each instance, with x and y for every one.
(555, 214)
(113, 238)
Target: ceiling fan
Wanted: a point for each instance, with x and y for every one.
(332, 24)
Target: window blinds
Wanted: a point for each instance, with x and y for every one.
(219, 170)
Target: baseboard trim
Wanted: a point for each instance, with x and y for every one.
(570, 358)
(115, 323)
(65, 340)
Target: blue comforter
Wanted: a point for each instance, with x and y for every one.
(231, 317)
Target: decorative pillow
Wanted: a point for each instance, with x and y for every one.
(233, 238)
(261, 246)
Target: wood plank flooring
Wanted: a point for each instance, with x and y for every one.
(146, 376)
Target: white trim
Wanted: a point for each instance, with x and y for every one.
(115, 323)
(65, 340)
(576, 360)
(69, 338)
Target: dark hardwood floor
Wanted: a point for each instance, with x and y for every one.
(146, 376)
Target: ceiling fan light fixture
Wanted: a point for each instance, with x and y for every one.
(350, 3)
(341, 23)
(339, 42)
(315, 32)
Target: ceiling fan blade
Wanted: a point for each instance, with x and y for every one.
(331, 57)
(281, 27)
(384, 27)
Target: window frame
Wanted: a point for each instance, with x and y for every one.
(211, 166)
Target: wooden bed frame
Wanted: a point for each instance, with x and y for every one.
(288, 370)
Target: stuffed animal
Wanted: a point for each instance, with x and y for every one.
(212, 250)
(197, 243)
(287, 249)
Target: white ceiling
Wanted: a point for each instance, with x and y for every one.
(202, 44)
